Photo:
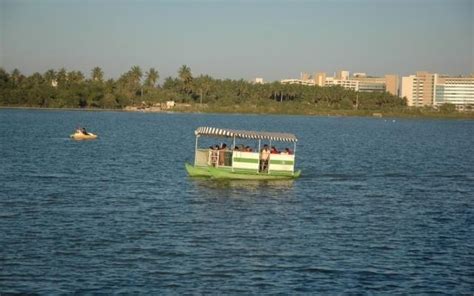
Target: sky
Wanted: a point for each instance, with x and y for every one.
(239, 39)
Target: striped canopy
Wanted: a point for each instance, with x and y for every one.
(228, 133)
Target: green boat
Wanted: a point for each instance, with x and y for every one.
(243, 163)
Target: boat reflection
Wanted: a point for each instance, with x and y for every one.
(247, 185)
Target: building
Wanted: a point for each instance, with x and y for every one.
(320, 79)
(346, 83)
(458, 91)
(359, 82)
(388, 83)
(342, 75)
(431, 89)
(309, 82)
(370, 84)
(392, 84)
(258, 80)
(419, 89)
(305, 76)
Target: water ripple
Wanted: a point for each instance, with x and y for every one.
(377, 210)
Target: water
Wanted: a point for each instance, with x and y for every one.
(383, 206)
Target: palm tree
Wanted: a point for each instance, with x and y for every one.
(186, 77)
(50, 76)
(185, 74)
(61, 76)
(75, 76)
(16, 76)
(97, 74)
(152, 77)
(135, 74)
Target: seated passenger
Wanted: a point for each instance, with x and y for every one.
(288, 151)
(81, 130)
(274, 150)
(248, 149)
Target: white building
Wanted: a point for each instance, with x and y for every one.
(346, 83)
(309, 82)
(431, 89)
(458, 91)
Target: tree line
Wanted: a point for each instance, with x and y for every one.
(72, 89)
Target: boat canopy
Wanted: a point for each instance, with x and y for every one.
(229, 133)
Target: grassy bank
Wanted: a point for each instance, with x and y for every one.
(284, 109)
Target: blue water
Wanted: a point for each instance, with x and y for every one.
(383, 206)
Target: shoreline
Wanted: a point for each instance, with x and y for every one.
(328, 113)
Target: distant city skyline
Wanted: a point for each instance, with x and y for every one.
(242, 39)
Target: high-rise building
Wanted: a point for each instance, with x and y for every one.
(458, 91)
(419, 89)
(342, 75)
(392, 85)
(305, 76)
(320, 79)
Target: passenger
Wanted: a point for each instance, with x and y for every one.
(222, 154)
(288, 151)
(214, 155)
(264, 157)
(81, 130)
(274, 150)
(248, 149)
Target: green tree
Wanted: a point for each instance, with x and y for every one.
(16, 76)
(49, 76)
(135, 75)
(152, 77)
(447, 108)
(61, 77)
(97, 74)
(186, 78)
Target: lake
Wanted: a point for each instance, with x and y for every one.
(384, 205)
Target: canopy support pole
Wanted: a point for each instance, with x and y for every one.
(294, 157)
(259, 142)
(269, 158)
(232, 156)
(196, 150)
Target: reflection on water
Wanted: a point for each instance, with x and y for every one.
(272, 188)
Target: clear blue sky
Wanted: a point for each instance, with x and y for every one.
(239, 39)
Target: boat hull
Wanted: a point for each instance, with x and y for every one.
(80, 136)
(227, 173)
